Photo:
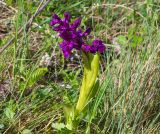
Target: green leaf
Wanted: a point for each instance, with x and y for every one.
(136, 41)
(69, 113)
(9, 2)
(36, 75)
(1, 126)
(9, 113)
(26, 131)
(65, 131)
(58, 126)
(94, 89)
(122, 40)
(131, 32)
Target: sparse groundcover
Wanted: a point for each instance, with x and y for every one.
(40, 82)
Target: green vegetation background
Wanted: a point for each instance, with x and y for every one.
(32, 93)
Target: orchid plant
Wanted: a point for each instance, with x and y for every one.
(74, 38)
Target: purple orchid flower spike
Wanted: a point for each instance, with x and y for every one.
(73, 37)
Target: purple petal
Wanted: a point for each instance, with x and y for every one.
(98, 44)
(66, 48)
(71, 45)
(66, 54)
(63, 44)
(86, 48)
(101, 49)
(74, 34)
(93, 49)
(67, 17)
(66, 35)
(79, 32)
(87, 32)
(55, 20)
(77, 46)
(76, 23)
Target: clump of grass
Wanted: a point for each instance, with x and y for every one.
(131, 97)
